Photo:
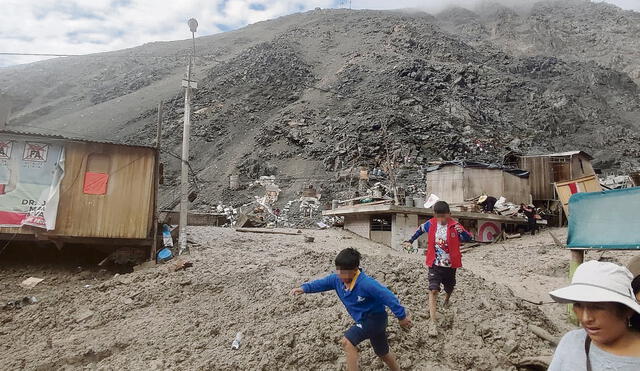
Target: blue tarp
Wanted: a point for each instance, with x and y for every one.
(605, 220)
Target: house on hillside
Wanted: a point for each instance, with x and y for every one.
(547, 169)
(457, 181)
(75, 191)
(454, 182)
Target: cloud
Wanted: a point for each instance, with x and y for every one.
(91, 26)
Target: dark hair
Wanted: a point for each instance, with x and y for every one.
(348, 258)
(441, 207)
(635, 285)
(634, 321)
(635, 318)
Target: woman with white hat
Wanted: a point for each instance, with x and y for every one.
(604, 303)
(634, 268)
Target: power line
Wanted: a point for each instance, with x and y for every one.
(41, 54)
(106, 54)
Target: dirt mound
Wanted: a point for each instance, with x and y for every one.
(152, 319)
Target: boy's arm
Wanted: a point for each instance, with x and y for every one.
(421, 230)
(387, 297)
(462, 233)
(323, 284)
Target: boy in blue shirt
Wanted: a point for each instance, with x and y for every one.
(365, 300)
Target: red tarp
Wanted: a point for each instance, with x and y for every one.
(95, 183)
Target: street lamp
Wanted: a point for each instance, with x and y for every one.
(188, 84)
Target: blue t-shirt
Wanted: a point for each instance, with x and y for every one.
(368, 295)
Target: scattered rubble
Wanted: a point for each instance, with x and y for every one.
(239, 283)
(31, 282)
(17, 304)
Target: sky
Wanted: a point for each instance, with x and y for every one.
(90, 26)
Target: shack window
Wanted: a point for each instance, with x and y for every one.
(96, 177)
(381, 223)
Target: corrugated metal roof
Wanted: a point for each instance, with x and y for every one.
(76, 139)
(563, 154)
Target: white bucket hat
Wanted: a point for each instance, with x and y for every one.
(596, 281)
(634, 266)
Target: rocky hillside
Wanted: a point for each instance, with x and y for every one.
(575, 30)
(308, 96)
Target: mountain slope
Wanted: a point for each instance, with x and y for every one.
(307, 96)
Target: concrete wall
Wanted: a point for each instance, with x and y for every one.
(383, 237)
(359, 224)
(402, 227)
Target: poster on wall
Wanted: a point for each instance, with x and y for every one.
(488, 231)
(30, 175)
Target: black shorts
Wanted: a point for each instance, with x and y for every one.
(374, 328)
(442, 276)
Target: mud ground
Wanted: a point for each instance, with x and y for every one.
(87, 318)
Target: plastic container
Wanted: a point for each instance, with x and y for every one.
(237, 341)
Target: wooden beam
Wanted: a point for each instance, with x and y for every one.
(543, 334)
(267, 231)
(194, 219)
(396, 209)
(156, 186)
(577, 258)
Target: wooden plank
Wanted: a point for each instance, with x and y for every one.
(516, 189)
(447, 183)
(267, 231)
(577, 258)
(543, 334)
(483, 181)
(382, 209)
(585, 184)
(156, 187)
(195, 219)
(540, 176)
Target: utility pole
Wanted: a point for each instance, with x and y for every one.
(186, 132)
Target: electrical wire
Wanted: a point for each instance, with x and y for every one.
(40, 54)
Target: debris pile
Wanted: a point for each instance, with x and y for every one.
(189, 319)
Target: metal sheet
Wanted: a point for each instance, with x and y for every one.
(605, 220)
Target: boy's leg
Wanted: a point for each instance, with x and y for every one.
(447, 296)
(433, 304)
(376, 328)
(390, 360)
(352, 354)
(354, 336)
(433, 310)
(449, 283)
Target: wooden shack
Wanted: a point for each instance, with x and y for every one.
(106, 192)
(545, 170)
(457, 181)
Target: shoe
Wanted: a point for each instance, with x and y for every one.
(433, 330)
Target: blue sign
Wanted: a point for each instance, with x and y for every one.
(605, 220)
